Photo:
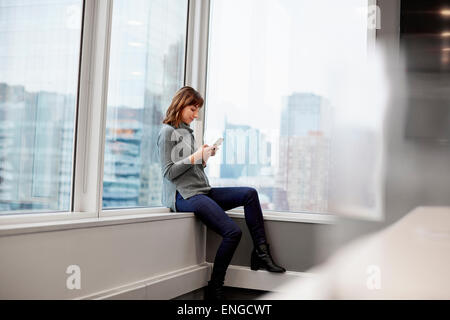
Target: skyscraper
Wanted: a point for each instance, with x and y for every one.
(36, 141)
(304, 154)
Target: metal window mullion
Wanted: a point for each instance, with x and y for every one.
(372, 29)
(197, 55)
(92, 107)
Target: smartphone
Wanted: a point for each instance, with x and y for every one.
(218, 142)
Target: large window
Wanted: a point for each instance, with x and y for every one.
(279, 73)
(286, 89)
(148, 42)
(39, 64)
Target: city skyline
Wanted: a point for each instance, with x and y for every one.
(123, 179)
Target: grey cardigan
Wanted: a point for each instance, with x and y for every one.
(175, 145)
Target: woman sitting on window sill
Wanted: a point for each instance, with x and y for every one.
(186, 188)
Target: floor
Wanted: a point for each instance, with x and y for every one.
(231, 293)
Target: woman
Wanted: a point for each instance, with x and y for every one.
(186, 189)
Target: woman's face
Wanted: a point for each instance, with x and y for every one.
(189, 113)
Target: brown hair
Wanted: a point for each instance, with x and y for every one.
(185, 96)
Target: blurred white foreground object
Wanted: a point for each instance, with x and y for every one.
(410, 259)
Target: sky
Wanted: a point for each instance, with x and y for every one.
(264, 50)
(39, 44)
(260, 51)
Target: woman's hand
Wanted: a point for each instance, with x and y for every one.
(214, 150)
(203, 153)
(208, 152)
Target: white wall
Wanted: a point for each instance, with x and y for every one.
(33, 266)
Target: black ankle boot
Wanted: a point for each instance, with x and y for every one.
(261, 259)
(214, 291)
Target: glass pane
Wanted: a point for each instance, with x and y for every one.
(39, 65)
(146, 68)
(279, 93)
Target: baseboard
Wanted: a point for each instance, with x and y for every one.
(177, 283)
(161, 287)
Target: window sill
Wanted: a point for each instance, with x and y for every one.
(46, 226)
(299, 217)
(65, 221)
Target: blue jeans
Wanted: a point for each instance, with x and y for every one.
(210, 209)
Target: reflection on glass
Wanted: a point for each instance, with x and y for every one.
(283, 100)
(39, 62)
(146, 68)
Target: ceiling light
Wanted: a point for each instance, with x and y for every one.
(445, 12)
(445, 34)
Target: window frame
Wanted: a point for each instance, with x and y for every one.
(303, 216)
(20, 217)
(90, 126)
(193, 76)
(89, 141)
